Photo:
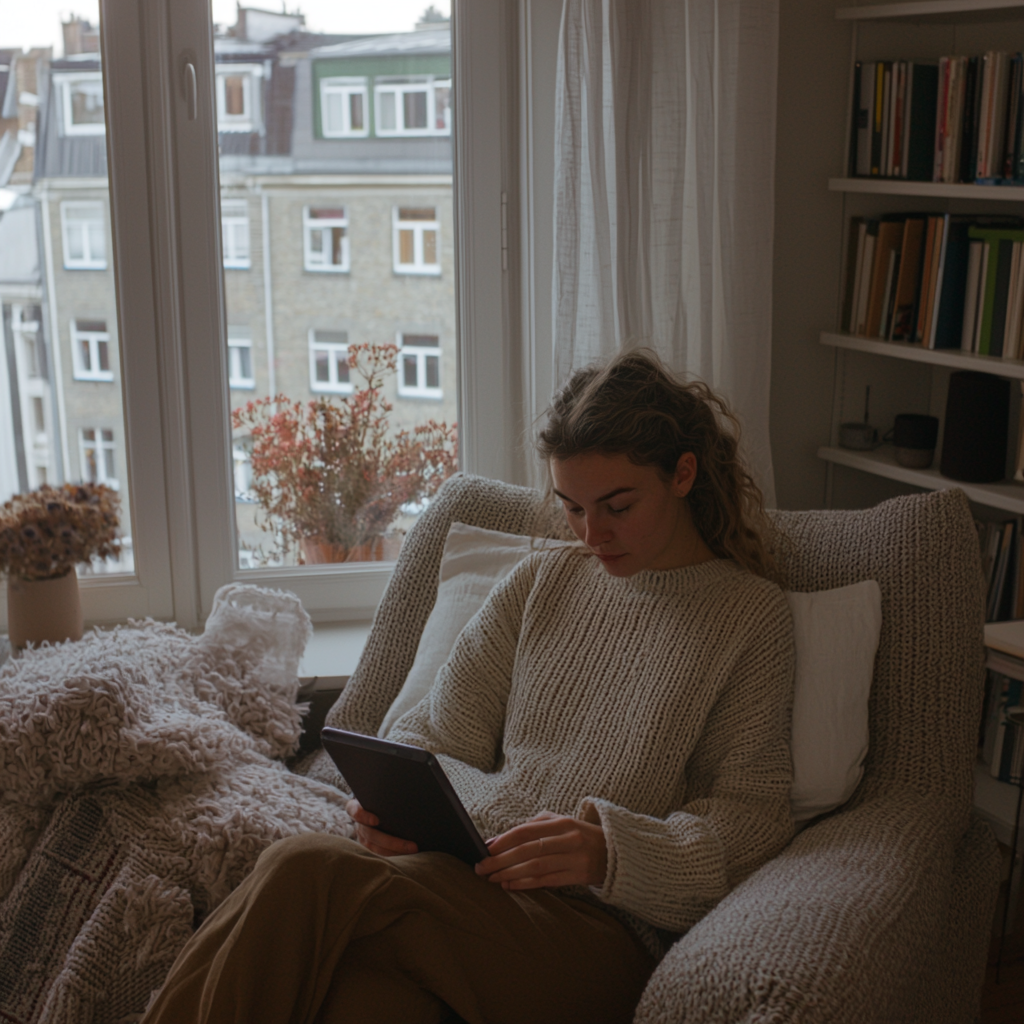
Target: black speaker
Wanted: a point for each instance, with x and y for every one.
(977, 425)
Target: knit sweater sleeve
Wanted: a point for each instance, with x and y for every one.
(462, 717)
(735, 813)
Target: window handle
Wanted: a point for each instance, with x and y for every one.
(191, 90)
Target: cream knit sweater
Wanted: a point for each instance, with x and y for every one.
(661, 700)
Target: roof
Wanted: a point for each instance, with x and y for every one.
(19, 244)
(404, 44)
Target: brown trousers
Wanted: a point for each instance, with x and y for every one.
(325, 932)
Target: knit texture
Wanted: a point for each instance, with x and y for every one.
(877, 913)
(140, 782)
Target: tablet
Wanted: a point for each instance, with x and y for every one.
(407, 789)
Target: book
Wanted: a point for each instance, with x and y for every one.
(854, 249)
(864, 98)
(876, 121)
(929, 295)
(999, 251)
(908, 283)
(1007, 735)
(890, 293)
(926, 272)
(890, 238)
(971, 296)
(980, 316)
(968, 143)
(941, 119)
(952, 283)
(867, 263)
(923, 87)
(1000, 296)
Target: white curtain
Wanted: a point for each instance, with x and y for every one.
(664, 191)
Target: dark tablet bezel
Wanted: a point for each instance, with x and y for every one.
(407, 789)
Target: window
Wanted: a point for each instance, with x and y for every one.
(343, 108)
(243, 472)
(416, 249)
(240, 358)
(234, 222)
(90, 350)
(238, 95)
(325, 238)
(81, 98)
(85, 244)
(408, 106)
(419, 366)
(97, 452)
(328, 362)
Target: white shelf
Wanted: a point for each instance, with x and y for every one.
(996, 802)
(928, 189)
(881, 462)
(951, 357)
(922, 8)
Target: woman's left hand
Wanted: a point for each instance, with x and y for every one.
(547, 851)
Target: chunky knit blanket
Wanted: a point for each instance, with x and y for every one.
(141, 775)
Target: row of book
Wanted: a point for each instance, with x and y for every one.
(938, 280)
(1002, 562)
(960, 120)
(1001, 741)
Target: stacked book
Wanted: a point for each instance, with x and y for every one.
(961, 120)
(1001, 743)
(1001, 555)
(938, 280)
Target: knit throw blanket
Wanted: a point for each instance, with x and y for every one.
(140, 778)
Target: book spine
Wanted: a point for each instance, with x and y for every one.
(926, 273)
(971, 297)
(942, 232)
(864, 119)
(876, 128)
(982, 291)
(940, 118)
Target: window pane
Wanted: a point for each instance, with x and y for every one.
(97, 241)
(234, 95)
(87, 102)
(333, 204)
(39, 414)
(76, 242)
(104, 358)
(85, 348)
(415, 109)
(430, 247)
(442, 99)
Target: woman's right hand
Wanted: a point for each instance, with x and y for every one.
(368, 835)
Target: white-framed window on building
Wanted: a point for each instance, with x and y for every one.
(328, 362)
(84, 235)
(325, 238)
(240, 373)
(238, 97)
(416, 233)
(234, 222)
(419, 366)
(90, 350)
(242, 471)
(97, 450)
(343, 108)
(418, 105)
(81, 100)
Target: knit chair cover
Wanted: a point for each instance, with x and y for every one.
(879, 911)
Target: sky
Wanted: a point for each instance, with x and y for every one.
(28, 23)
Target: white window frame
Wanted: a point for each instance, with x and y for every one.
(345, 88)
(398, 88)
(102, 446)
(251, 118)
(65, 82)
(69, 223)
(418, 227)
(333, 386)
(234, 222)
(239, 338)
(421, 353)
(311, 259)
(94, 340)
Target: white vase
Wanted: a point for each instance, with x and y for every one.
(39, 610)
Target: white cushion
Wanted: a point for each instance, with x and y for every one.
(473, 563)
(836, 634)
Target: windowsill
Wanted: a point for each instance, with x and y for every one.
(333, 652)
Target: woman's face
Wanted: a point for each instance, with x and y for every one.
(630, 516)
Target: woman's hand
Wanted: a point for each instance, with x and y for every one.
(373, 840)
(547, 851)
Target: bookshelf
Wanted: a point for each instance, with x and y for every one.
(928, 189)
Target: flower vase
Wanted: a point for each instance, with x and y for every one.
(377, 549)
(39, 610)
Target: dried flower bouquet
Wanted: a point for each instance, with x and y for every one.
(44, 534)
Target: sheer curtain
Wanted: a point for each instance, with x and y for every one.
(664, 191)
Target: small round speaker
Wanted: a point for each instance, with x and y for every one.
(977, 424)
(913, 438)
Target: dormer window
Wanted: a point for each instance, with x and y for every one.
(418, 105)
(344, 110)
(238, 97)
(81, 100)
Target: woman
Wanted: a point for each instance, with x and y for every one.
(615, 719)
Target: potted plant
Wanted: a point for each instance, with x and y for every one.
(43, 536)
(330, 475)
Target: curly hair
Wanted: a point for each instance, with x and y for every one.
(635, 406)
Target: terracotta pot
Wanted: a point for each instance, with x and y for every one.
(379, 549)
(39, 610)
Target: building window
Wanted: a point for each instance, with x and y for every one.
(325, 238)
(90, 350)
(343, 108)
(81, 97)
(243, 474)
(413, 106)
(234, 222)
(85, 241)
(419, 366)
(240, 358)
(238, 97)
(97, 451)
(416, 248)
(328, 362)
